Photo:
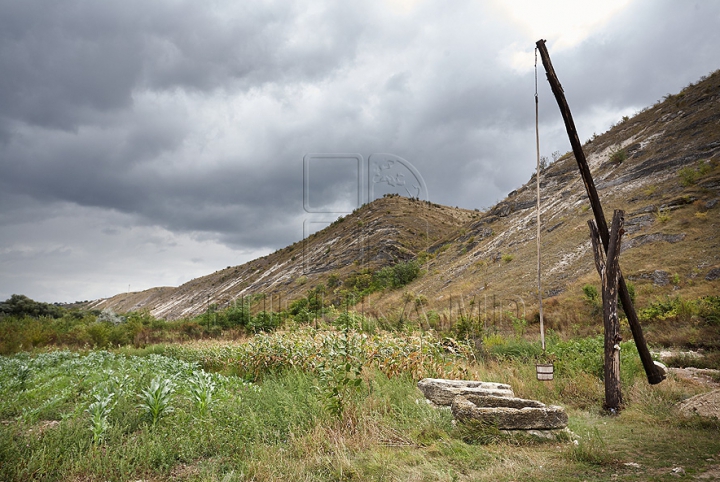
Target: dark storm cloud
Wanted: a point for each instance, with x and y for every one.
(64, 61)
(70, 108)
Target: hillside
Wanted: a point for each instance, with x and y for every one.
(662, 166)
(378, 234)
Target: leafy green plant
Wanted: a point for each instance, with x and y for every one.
(202, 388)
(155, 400)
(340, 375)
(506, 258)
(398, 275)
(673, 307)
(688, 176)
(708, 307)
(519, 325)
(338, 382)
(99, 411)
(23, 375)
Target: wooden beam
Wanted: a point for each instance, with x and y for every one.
(654, 376)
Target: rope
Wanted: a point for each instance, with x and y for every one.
(537, 182)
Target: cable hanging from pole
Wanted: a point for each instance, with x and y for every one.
(537, 182)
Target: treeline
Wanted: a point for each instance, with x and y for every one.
(27, 324)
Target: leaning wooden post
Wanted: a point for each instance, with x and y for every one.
(654, 376)
(609, 271)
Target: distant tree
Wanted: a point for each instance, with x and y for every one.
(21, 305)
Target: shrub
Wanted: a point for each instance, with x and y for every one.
(709, 309)
(396, 276)
(591, 293)
(662, 216)
(333, 281)
(675, 307)
(618, 156)
(236, 316)
(688, 176)
(264, 321)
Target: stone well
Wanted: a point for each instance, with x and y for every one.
(508, 413)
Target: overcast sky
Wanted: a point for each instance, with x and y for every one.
(144, 143)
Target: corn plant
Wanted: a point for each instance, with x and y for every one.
(155, 400)
(23, 375)
(99, 411)
(202, 387)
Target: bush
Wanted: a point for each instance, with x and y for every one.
(398, 275)
(591, 294)
(618, 156)
(21, 305)
(265, 321)
(709, 309)
(683, 310)
(236, 317)
(592, 299)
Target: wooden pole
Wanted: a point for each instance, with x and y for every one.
(609, 275)
(654, 376)
(537, 185)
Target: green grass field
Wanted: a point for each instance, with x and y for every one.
(329, 405)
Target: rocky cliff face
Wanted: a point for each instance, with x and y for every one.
(661, 166)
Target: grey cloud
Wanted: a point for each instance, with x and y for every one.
(192, 120)
(655, 48)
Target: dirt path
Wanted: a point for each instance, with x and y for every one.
(704, 376)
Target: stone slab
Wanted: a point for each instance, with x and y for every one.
(490, 401)
(442, 392)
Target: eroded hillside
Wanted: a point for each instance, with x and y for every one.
(662, 166)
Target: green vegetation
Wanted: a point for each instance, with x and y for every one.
(365, 282)
(689, 175)
(617, 156)
(295, 401)
(21, 305)
(78, 419)
(707, 308)
(662, 216)
(155, 400)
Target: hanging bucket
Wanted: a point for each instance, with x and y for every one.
(544, 371)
